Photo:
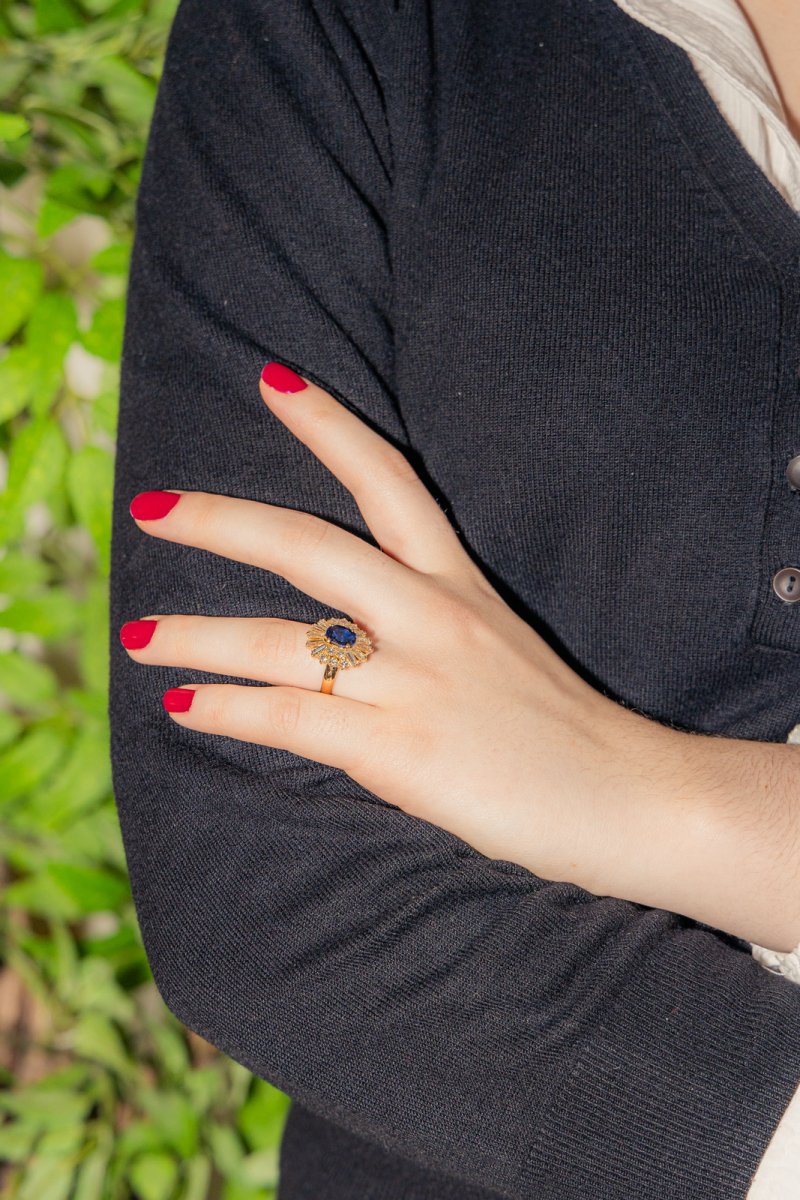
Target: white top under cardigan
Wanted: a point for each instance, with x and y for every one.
(724, 51)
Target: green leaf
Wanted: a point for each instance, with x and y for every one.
(12, 126)
(21, 281)
(91, 889)
(17, 1140)
(49, 1173)
(64, 962)
(40, 950)
(121, 8)
(19, 572)
(261, 1168)
(140, 1137)
(203, 1086)
(47, 1179)
(226, 1148)
(172, 1053)
(88, 705)
(98, 990)
(94, 650)
(112, 260)
(96, 7)
(90, 486)
(50, 332)
(58, 1142)
(12, 73)
(197, 1178)
(129, 94)
(54, 215)
(82, 781)
(75, 183)
(20, 370)
(50, 86)
(68, 124)
(32, 372)
(95, 1037)
(40, 894)
(124, 954)
(163, 10)
(53, 326)
(28, 762)
(175, 1117)
(35, 469)
(95, 837)
(262, 1117)
(10, 727)
(133, 173)
(93, 1173)
(56, 16)
(47, 1108)
(104, 335)
(53, 615)
(11, 171)
(153, 1176)
(74, 1076)
(26, 682)
(17, 19)
(235, 1189)
(104, 411)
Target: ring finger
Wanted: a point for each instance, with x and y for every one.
(268, 649)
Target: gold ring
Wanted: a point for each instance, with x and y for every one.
(337, 642)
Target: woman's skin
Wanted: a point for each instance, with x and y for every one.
(776, 25)
(463, 715)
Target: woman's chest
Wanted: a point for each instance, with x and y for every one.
(598, 362)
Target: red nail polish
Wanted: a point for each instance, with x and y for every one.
(178, 699)
(277, 376)
(149, 506)
(135, 635)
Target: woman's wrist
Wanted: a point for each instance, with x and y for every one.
(750, 793)
(705, 826)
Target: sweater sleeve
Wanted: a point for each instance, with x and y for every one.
(519, 1035)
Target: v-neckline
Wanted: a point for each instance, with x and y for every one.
(761, 211)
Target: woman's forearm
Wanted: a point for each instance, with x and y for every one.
(709, 827)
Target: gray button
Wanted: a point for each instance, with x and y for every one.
(793, 473)
(786, 584)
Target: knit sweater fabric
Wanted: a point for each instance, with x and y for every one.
(524, 244)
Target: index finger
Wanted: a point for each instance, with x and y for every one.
(402, 515)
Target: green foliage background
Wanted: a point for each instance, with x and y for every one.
(103, 1094)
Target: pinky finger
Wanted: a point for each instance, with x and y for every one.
(329, 729)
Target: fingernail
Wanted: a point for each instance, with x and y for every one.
(277, 376)
(134, 635)
(149, 506)
(178, 699)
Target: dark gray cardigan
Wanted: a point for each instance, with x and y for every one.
(520, 238)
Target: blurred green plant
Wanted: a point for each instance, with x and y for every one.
(105, 1096)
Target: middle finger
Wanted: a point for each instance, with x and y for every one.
(336, 567)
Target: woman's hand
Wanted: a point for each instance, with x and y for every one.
(462, 715)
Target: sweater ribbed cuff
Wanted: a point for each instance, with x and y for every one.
(695, 1065)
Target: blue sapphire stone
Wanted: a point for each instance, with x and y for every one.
(340, 635)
